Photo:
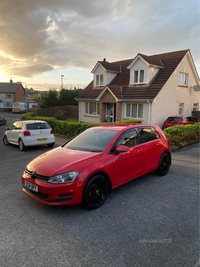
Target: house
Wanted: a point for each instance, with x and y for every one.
(149, 88)
(10, 93)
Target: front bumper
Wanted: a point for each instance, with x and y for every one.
(53, 194)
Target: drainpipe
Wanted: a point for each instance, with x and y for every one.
(150, 109)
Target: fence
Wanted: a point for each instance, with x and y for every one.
(72, 111)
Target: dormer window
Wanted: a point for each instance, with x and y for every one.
(99, 79)
(139, 76)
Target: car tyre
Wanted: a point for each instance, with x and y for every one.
(164, 164)
(5, 140)
(95, 192)
(21, 145)
(51, 145)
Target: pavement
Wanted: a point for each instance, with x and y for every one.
(61, 140)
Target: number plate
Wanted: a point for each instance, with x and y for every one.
(42, 139)
(31, 186)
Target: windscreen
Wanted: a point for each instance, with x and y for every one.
(37, 126)
(92, 140)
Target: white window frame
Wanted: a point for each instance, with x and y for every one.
(100, 79)
(180, 108)
(97, 108)
(183, 79)
(8, 104)
(196, 107)
(138, 77)
(131, 109)
(8, 96)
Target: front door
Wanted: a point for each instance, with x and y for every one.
(110, 112)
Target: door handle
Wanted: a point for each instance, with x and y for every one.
(139, 150)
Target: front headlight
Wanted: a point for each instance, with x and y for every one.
(66, 177)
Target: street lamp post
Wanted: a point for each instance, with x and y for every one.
(26, 101)
(62, 81)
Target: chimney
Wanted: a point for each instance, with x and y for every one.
(11, 80)
(104, 59)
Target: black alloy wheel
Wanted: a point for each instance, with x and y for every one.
(95, 192)
(5, 140)
(21, 145)
(164, 164)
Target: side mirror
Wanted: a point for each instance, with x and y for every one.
(7, 129)
(121, 149)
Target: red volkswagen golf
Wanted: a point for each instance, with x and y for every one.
(98, 160)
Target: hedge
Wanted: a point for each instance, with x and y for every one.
(69, 129)
(180, 136)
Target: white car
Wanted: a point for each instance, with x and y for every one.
(29, 133)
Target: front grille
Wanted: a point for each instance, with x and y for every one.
(38, 176)
(38, 194)
(66, 195)
(46, 196)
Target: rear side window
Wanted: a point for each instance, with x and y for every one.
(37, 126)
(147, 134)
(191, 119)
(170, 119)
(178, 119)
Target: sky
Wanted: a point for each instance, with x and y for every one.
(41, 40)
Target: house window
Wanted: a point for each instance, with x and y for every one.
(183, 79)
(134, 110)
(7, 104)
(128, 110)
(86, 107)
(92, 108)
(8, 96)
(181, 106)
(138, 76)
(196, 107)
(99, 79)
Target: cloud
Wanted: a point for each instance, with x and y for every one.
(39, 36)
(27, 71)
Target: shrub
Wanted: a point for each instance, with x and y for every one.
(61, 115)
(71, 129)
(30, 116)
(180, 129)
(180, 136)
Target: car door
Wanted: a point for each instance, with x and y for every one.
(150, 144)
(12, 132)
(126, 165)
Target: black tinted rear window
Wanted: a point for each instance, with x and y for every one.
(170, 119)
(37, 126)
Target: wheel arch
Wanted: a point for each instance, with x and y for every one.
(99, 173)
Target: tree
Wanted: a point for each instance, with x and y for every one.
(67, 97)
(50, 99)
